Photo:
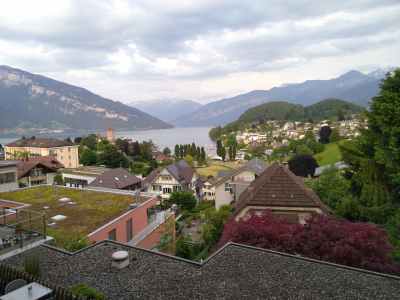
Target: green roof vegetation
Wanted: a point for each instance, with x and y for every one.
(89, 211)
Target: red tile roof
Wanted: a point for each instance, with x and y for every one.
(277, 186)
(39, 143)
(25, 166)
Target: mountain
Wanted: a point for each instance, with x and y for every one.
(279, 110)
(352, 86)
(33, 101)
(168, 109)
(282, 111)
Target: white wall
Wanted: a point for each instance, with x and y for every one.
(222, 197)
(6, 187)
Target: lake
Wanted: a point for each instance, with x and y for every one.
(161, 137)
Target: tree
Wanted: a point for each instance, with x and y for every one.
(303, 165)
(185, 200)
(219, 148)
(122, 145)
(90, 141)
(167, 151)
(331, 187)
(88, 157)
(189, 159)
(223, 153)
(177, 151)
(335, 136)
(324, 134)
(203, 155)
(111, 157)
(325, 238)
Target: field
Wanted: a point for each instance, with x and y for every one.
(87, 211)
(216, 166)
(330, 155)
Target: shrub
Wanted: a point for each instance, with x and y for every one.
(87, 291)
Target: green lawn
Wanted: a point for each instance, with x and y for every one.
(330, 155)
(215, 166)
(90, 211)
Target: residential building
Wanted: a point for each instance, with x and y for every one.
(37, 170)
(8, 175)
(81, 177)
(208, 190)
(64, 151)
(229, 187)
(234, 272)
(118, 178)
(277, 189)
(179, 176)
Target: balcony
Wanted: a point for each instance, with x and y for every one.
(20, 230)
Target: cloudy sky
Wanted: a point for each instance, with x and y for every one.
(196, 49)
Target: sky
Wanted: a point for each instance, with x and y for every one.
(202, 50)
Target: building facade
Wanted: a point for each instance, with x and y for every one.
(65, 152)
(8, 176)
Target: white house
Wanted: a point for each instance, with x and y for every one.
(8, 175)
(229, 187)
(179, 176)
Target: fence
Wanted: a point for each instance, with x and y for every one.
(8, 274)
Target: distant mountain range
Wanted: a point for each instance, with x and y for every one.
(33, 101)
(167, 110)
(332, 109)
(352, 86)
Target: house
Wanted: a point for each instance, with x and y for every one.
(118, 178)
(340, 165)
(81, 177)
(65, 152)
(179, 176)
(277, 189)
(233, 272)
(208, 190)
(131, 218)
(229, 187)
(8, 175)
(37, 170)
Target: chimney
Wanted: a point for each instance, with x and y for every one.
(120, 259)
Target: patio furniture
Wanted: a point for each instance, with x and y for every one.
(14, 285)
(32, 291)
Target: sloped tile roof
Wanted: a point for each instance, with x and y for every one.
(277, 186)
(115, 179)
(40, 143)
(25, 166)
(234, 272)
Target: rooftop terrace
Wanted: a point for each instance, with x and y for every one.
(84, 210)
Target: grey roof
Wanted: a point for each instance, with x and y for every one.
(8, 163)
(181, 171)
(234, 272)
(118, 178)
(255, 165)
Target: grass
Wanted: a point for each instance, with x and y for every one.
(92, 209)
(216, 166)
(330, 155)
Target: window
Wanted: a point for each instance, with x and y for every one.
(177, 188)
(112, 235)
(166, 177)
(167, 190)
(228, 187)
(156, 187)
(7, 177)
(129, 230)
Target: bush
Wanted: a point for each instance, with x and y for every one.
(86, 291)
(325, 238)
(185, 200)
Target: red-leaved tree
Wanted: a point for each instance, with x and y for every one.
(325, 238)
